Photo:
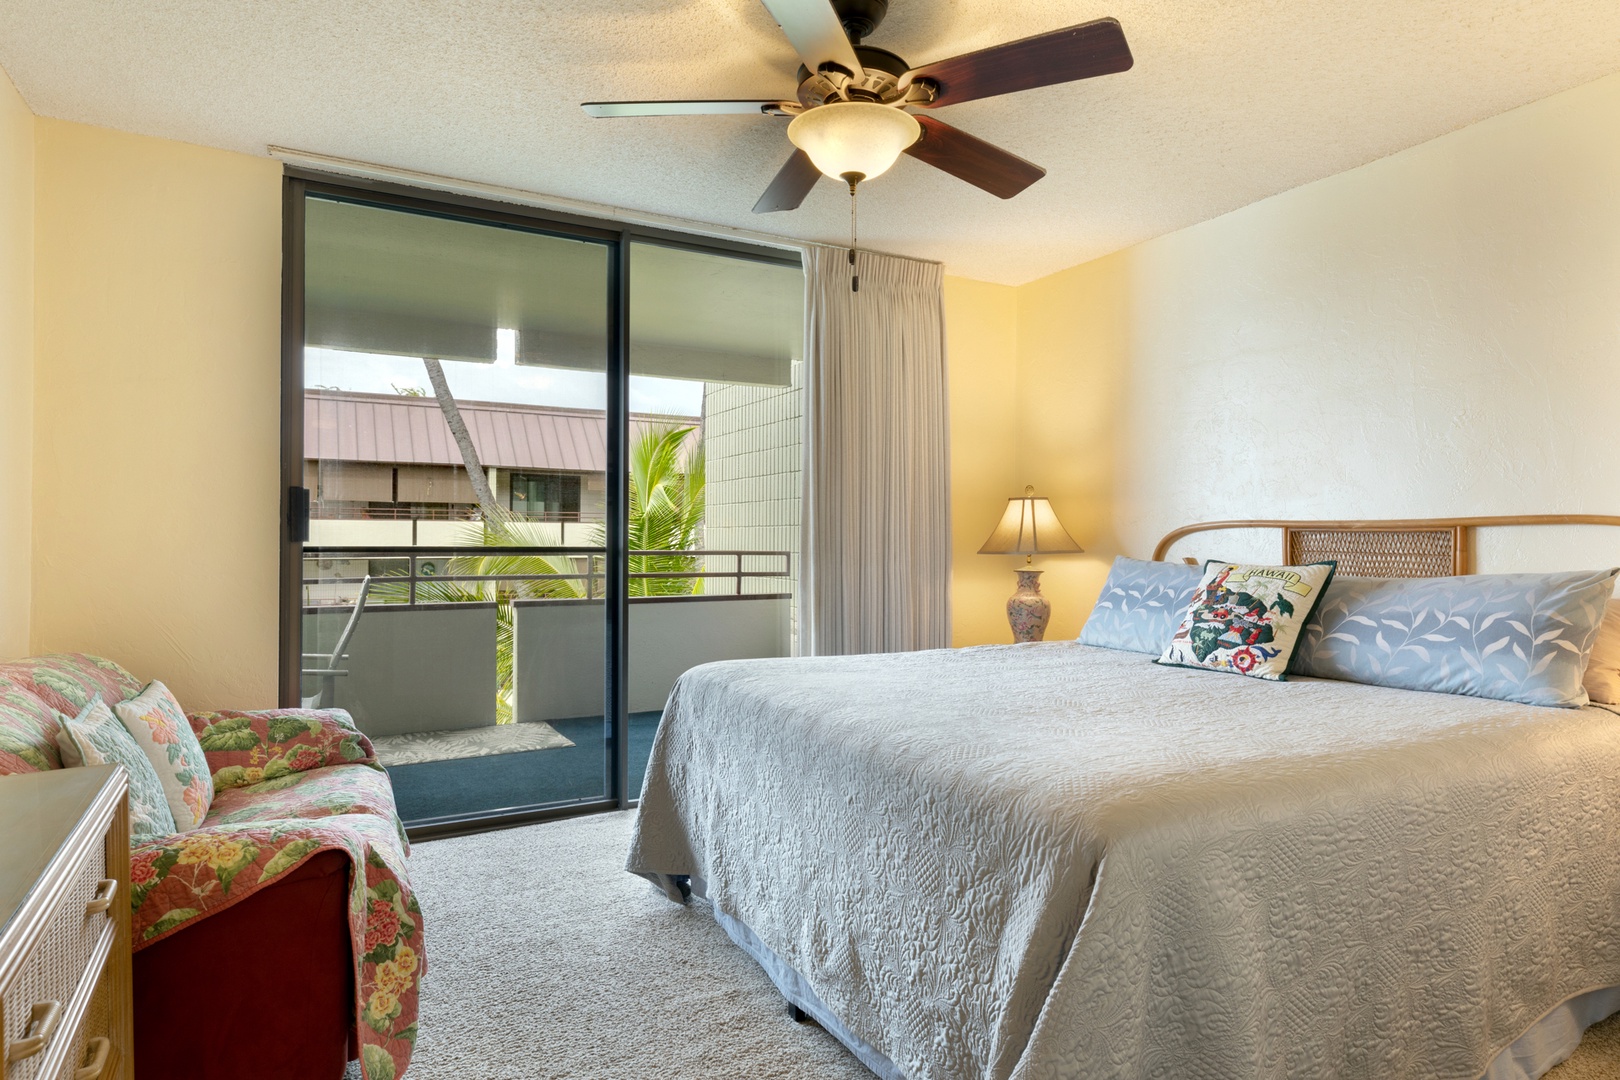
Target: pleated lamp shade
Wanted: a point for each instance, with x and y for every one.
(1029, 527)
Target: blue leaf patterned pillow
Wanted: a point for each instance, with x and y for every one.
(95, 737)
(1513, 637)
(1141, 605)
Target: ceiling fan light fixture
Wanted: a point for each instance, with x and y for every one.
(859, 138)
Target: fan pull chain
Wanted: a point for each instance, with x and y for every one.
(854, 276)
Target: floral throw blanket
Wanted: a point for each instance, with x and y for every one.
(317, 788)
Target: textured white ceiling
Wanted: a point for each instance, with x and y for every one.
(1230, 100)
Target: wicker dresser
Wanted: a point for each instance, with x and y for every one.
(65, 1009)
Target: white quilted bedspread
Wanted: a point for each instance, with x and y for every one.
(1043, 861)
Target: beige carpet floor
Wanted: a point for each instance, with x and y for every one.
(548, 961)
(1598, 1056)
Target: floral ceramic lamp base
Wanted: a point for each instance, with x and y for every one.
(1027, 610)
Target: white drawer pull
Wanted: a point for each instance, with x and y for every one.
(99, 1049)
(106, 889)
(42, 1020)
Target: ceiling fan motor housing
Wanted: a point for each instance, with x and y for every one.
(860, 17)
(881, 71)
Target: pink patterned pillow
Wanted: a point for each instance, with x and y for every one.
(266, 744)
(161, 729)
(28, 730)
(67, 682)
(34, 690)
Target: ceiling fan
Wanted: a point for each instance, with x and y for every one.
(851, 120)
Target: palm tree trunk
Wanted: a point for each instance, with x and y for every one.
(494, 514)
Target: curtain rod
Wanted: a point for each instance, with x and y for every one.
(308, 159)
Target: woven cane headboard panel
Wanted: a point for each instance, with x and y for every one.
(1433, 547)
(1380, 552)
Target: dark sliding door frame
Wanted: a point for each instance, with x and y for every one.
(299, 184)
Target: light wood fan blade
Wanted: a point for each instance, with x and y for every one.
(793, 182)
(815, 32)
(1078, 52)
(681, 108)
(970, 158)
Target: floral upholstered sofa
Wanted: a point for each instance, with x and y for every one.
(279, 938)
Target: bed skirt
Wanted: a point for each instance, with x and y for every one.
(1548, 1042)
(798, 992)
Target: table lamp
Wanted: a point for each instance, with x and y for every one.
(1028, 528)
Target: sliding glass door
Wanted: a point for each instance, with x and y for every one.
(715, 348)
(535, 469)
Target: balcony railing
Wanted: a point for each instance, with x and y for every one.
(419, 566)
(444, 646)
(335, 511)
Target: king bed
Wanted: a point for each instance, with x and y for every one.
(1060, 860)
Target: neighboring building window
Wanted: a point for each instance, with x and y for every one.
(546, 496)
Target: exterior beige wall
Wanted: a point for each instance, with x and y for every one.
(752, 452)
(981, 350)
(16, 367)
(1434, 333)
(157, 379)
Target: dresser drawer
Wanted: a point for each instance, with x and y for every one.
(56, 965)
(95, 1053)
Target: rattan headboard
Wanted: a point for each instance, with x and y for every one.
(1425, 547)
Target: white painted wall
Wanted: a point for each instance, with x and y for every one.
(1434, 333)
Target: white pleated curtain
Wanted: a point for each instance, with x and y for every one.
(876, 510)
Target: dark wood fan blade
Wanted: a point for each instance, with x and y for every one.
(678, 108)
(970, 158)
(1079, 52)
(817, 35)
(793, 182)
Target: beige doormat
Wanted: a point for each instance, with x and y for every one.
(419, 747)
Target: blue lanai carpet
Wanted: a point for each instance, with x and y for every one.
(437, 789)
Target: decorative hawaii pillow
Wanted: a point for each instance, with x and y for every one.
(1247, 619)
(95, 737)
(160, 728)
(1141, 605)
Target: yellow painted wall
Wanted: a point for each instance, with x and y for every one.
(981, 351)
(1073, 332)
(16, 366)
(156, 380)
(1434, 333)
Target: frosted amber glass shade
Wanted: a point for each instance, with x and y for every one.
(854, 137)
(1029, 527)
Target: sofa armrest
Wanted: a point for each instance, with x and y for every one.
(246, 747)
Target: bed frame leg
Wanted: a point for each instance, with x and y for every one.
(796, 1014)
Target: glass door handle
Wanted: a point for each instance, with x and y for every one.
(298, 515)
